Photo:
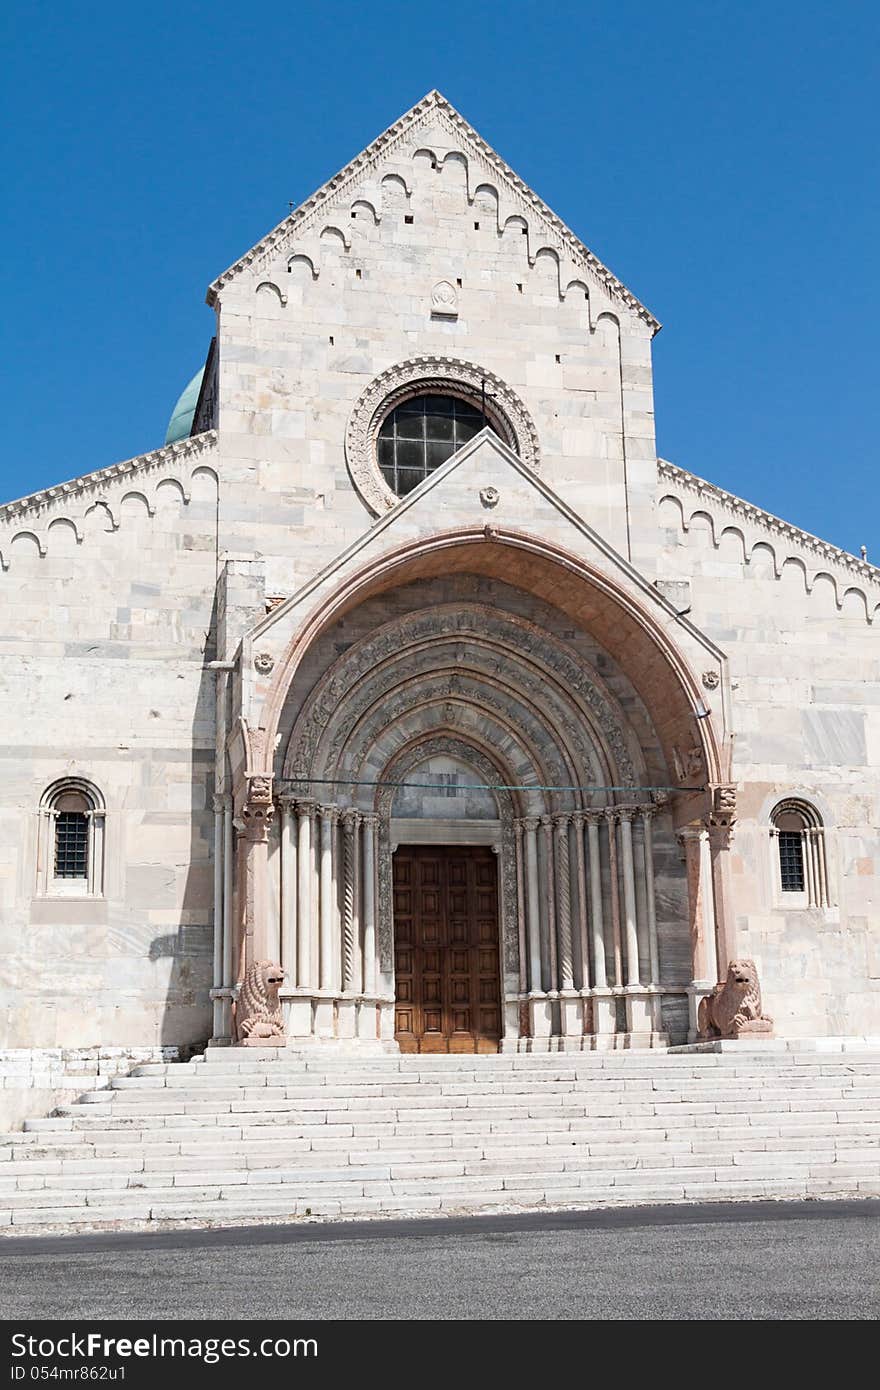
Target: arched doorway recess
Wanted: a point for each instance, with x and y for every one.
(580, 718)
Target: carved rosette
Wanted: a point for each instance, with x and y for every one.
(429, 373)
(259, 808)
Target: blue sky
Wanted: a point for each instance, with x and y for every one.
(720, 158)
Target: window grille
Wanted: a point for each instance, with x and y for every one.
(421, 434)
(791, 861)
(70, 847)
(802, 865)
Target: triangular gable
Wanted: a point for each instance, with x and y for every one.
(432, 109)
(464, 484)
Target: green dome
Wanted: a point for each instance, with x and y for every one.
(180, 424)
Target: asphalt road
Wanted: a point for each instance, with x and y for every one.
(768, 1260)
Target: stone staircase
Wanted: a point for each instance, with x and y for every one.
(255, 1134)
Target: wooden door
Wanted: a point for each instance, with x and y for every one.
(446, 953)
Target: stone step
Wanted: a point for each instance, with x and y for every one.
(254, 1135)
(185, 1169)
(223, 1205)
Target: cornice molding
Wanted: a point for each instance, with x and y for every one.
(260, 255)
(194, 447)
(774, 525)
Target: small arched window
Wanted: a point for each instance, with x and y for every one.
(70, 852)
(800, 861)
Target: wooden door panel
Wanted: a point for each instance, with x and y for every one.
(446, 949)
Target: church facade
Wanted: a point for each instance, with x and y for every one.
(407, 666)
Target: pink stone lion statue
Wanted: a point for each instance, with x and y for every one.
(734, 1007)
(258, 1018)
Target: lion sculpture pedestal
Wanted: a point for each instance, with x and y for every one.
(733, 1009)
(258, 1018)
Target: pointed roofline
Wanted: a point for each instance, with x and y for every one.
(434, 100)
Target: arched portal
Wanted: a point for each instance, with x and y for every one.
(576, 716)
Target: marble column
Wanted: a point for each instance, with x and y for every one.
(289, 890)
(651, 912)
(539, 1005)
(347, 1007)
(581, 931)
(323, 1011)
(611, 822)
(521, 907)
(694, 840)
(257, 813)
(570, 1005)
(638, 1005)
(550, 901)
(367, 1018)
(625, 815)
(603, 1006)
(301, 1004)
(217, 976)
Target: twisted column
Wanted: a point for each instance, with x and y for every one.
(563, 901)
(350, 820)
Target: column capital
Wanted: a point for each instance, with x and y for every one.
(329, 813)
(626, 813)
(222, 800)
(351, 819)
(258, 810)
(546, 820)
(562, 820)
(594, 814)
(304, 807)
(689, 833)
(530, 823)
(370, 818)
(723, 812)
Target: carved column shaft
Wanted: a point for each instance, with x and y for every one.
(305, 811)
(583, 925)
(550, 900)
(369, 896)
(629, 898)
(533, 903)
(349, 854)
(328, 819)
(600, 977)
(563, 902)
(615, 899)
(289, 889)
(521, 907)
(650, 898)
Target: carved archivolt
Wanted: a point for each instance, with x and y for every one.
(496, 650)
(429, 373)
